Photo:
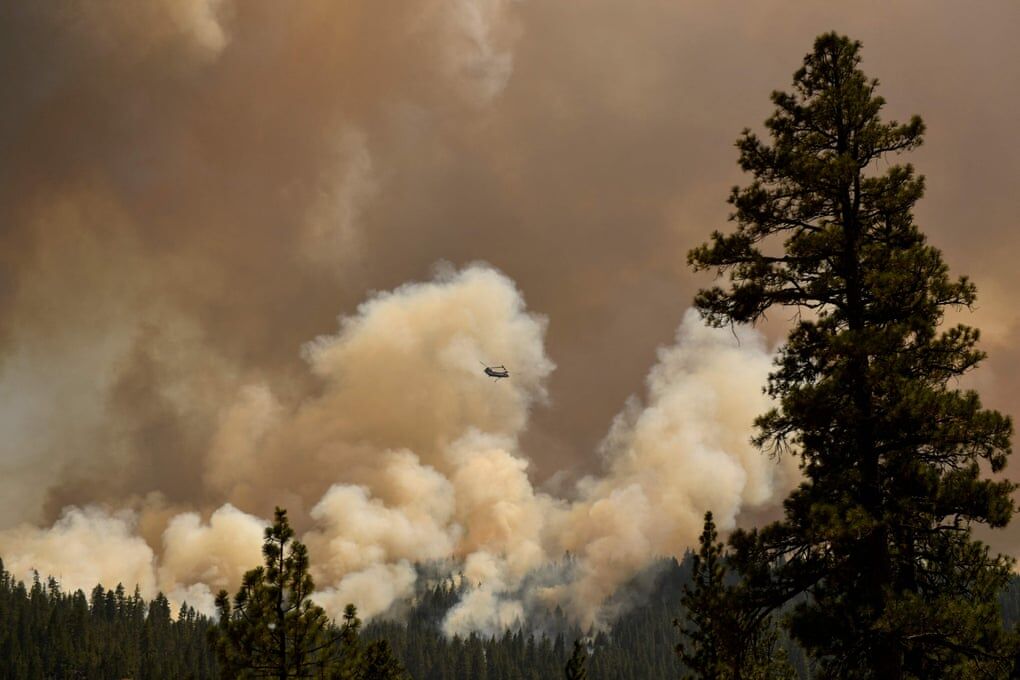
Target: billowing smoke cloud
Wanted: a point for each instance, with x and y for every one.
(89, 546)
(407, 453)
(198, 559)
(172, 231)
(684, 451)
(83, 548)
(191, 192)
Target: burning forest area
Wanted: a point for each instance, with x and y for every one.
(457, 340)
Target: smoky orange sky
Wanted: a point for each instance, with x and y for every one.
(192, 191)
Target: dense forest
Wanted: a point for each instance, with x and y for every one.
(48, 633)
(108, 634)
(640, 645)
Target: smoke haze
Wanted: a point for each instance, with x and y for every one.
(193, 193)
(406, 453)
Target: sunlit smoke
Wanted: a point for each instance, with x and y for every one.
(192, 192)
(408, 454)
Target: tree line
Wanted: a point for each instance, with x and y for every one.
(48, 633)
(875, 547)
(40, 638)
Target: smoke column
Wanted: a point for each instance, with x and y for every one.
(217, 220)
(408, 453)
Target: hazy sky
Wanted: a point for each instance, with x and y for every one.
(192, 190)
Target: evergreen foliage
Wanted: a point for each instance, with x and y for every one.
(360, 661)
(106, 635)
(575, 669)
(719, 641)
(273, 630)
(639, 645)
(707, 636)
(45, 633)
(879, 533)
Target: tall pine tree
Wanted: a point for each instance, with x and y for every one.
(273, 629)
(879, 533)
(575, 668)
(704, 631)
(721, 640)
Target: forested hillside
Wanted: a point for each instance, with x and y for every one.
(48, 633)
(639, 646)
(108, 634)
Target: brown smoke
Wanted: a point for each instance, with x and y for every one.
(192, 192)
(411, 454)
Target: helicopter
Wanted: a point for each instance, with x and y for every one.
(496, 372)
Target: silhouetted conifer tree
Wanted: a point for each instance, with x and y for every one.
(575, 669)
(879, 533)
(273, 629)
(720, 639)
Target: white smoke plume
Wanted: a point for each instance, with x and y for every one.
(164, 156)
(198, 559)
(85, 547)
(407, 453)
(686, 450)
(192, 189)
